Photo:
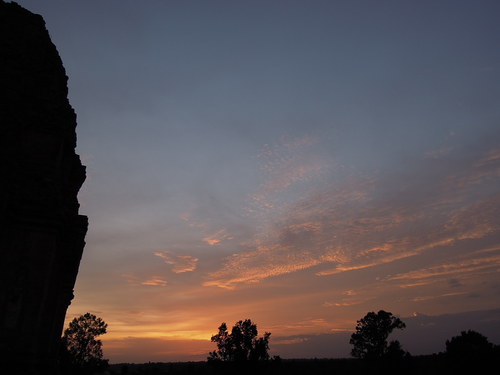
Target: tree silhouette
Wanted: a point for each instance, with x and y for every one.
(370, 339)
(80, 350)
(470, 346)
(242, 344)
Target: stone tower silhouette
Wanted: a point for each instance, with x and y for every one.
(41, 233)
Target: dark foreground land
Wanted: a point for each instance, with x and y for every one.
(426, 365)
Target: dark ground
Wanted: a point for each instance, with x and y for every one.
(426, 365)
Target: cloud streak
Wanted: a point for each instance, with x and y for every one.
(155, 281)
(179, 263)
(357, 224)
(487, 260)
(216, 238)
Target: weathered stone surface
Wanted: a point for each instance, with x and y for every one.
(41, 233)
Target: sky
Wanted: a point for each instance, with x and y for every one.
(298, 163)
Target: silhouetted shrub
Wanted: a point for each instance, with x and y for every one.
(370, 339)
(81, 352)
(241, 345)
(471, 350)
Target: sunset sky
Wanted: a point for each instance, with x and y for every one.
(298, 163)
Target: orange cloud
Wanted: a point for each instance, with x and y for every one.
(343, 304)
(427, 298)
(217, 238)
(155, 281)
(180, 263)
(252, 267)
(355, 226)
(353, 223)
(452, 269)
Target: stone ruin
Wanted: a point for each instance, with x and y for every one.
(41, 233)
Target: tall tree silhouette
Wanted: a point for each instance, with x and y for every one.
(80, 350)
(370, 339)
(242, 344)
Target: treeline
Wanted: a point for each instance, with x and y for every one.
(434, 364)
(241, 351)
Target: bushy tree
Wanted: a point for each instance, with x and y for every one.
(80, 350)
(370, 339)
(470, 345)
(242, 344)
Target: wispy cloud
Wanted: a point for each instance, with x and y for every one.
(290, 341)
(252, 267)
(349, 298)
(155, 281)
(217, 237)
(288, 163)
(366, 221)
(466, 264)
(343, 304)
(179, 263)
(310, 323)
(427, 298)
